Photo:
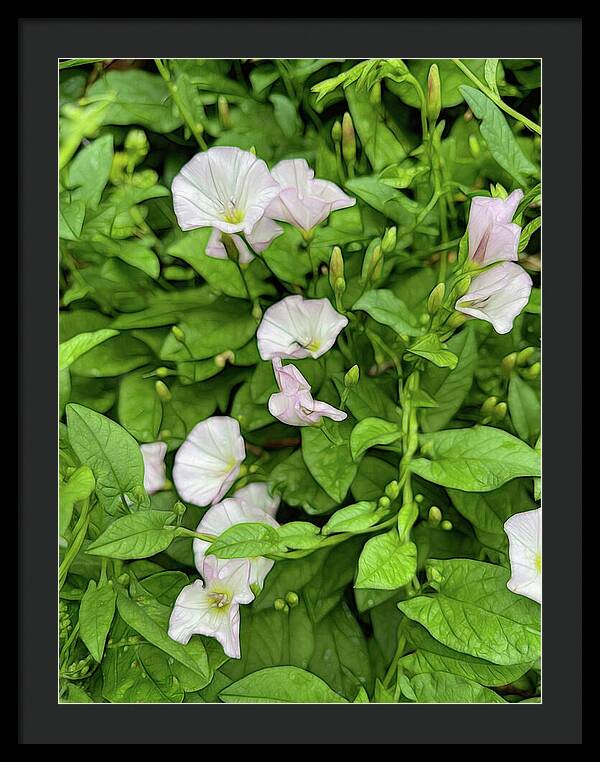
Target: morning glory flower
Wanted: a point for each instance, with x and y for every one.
(303, 201)
(213, 608)
(263, 233)
(524, 531)
(493, 237)
(220, 517)
(497, 295)
(208, 462)
(296, 327)
(223, 188)
(294, 404)
(257, 495)
(155, 473)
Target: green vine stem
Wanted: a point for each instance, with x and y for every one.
(193, 125)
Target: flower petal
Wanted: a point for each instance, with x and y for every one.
(155, 472)
(208, 462)
(524, 531)
(257, 495)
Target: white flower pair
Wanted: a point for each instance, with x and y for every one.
(234, 192)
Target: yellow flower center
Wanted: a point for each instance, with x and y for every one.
(313, 346)
(538, 562)
(233, 216)
(219, 600)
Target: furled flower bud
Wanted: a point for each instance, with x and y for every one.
(336, 131)
(533, 372)
(336, 266)
(136, 147)
(436, 298)
(279, 604)
(489, 406)
(351, 377)
(525, 355)
(434, 94)
(446, 525)
(384, 502)
(292, 598)
(435, 515)
(178, 333)
(392, 490)
(388, 242)
(348, 139)
(499, 412)
(224, 115)
(509, 362)
(162, 390)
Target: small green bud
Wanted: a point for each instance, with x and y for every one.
(224, 115)
(257, 311)
(434, 93)
(178, 333)
(351, 377)
(339, 286)
(462, 287)
(533, 372)
(388, 242)
(509, 363)
(392, 490)
(279, 604)
(163, 372)
(489, 406)
(424, 318)
(348, 139)
(525, 355)
(123, 579)
(446, 525)
(435, 515)
(419, 498)
(292, 598)
(164, 434)
(253, 468)
(136, 141)
(336, 266)
(179, 508)
(474, 146)
(162, 390)
(286, 609)
(336, 131)
(436, 298)
(384, 502)
(499, 411)
(456, 320)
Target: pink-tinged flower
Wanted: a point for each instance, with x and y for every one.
(155, 472)
(208, 462)
(257, 495)
(493, 237)
(303, 201)
(220, 517)
(524, 531)
(213, 608)
(263, 233)
(294, 404)
(296, 327)
(223, 188)
(497, 295)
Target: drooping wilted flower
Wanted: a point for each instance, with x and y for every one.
(303, 201)
(257, 495)
(208, 462)
(524, 531)
(219, 518)
(155, 473)
(294, 404)
(497, 295)
(223, 188)
(263, 233)
(213, 607)
(493, 237)
(296, 327)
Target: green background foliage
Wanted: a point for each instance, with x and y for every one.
(390, 601)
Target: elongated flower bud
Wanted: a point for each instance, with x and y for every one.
(224, 115)
(509, 362)
(348, 139)
(178, 333)
(435, 515)
(489, 406)
(336, 266)
(525, 355)
(392, 490)
(351, 377)
(162, 390)
(434, 94)
(436, 298)
(336, 131)
(499, 412)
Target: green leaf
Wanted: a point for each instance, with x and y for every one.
(373, 474)
(299, 535)
(292, 480)
(431, 348)
(474, 612)
(70, 220)
(153, 627)
(449, 387)
(377, 140)
(71, 350)
(370, 398)
(95, 617)
(371, 432)
(330, 464)
(387, 309)
(444, 688)
(139, 675)
(353, 518)
(477, 459)
(524, 408)
(113, 455)
(136, 97)
(247, 540)
(385, 563)
(527, 232)
(280, 685)
(114, 356)
(139, 535)
(498, 135)
(89, 171)
(139, 408)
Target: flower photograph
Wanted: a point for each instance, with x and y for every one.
(299, 381)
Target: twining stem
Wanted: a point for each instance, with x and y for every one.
(193, 125)
(410, 432)
(79, 533)
(496, 98)
(395, 659)
(234, 256)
